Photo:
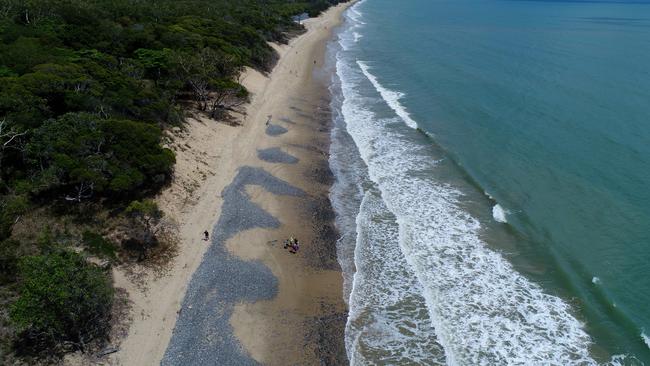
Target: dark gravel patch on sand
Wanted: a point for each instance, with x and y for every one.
(275, 130)
(322, 253)
(203, 335)
(276, 155)
(320, 172)
(326, 332)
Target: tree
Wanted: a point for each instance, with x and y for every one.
(25, 53)
(64, 302)
(197, 71)
(146, 218)
(9, 135)
(74, 151)
(10, 138)
(19, 105)
(208, 74)
(65, 87)
(82, 155)
(8, 260)
(226, 95)
(11, 208)
(155, 62)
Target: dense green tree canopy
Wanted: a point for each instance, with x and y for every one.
(88, 154)
(87, 85)
(62, 299)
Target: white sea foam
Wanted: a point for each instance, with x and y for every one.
(391, 97)
(346, 192)
(388, 321)
(499, 214)
(355, 14)
(623, 360)
(482, 310)
(646, 339)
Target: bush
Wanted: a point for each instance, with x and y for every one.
(145, 224)
(11, 207)
(8, 260)
(97, 245)
(63, 303)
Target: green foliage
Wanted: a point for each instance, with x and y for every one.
(108, 68)
(6, 72)
(154, 62)
(8, 260)
(317, 7)
(144, 208)
(26, 52)
(145, 216)
(81, 155)
(97, 245)
(46, 241)
(19, 104)
(63, 299)
(11, 207)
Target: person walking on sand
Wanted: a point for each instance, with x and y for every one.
(269, 119)
(206, 235)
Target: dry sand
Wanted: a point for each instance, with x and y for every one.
(303, 323)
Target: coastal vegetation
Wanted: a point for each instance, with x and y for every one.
(87, 90)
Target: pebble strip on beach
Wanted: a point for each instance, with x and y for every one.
(203, 334)
(275, 130)
(276, 155)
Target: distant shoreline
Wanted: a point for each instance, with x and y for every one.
(300, 316)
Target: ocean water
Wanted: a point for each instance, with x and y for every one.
(493, 181)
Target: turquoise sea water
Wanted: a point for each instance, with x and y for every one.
(541, 107)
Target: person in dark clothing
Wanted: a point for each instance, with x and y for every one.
(295, 246)
(206, 235)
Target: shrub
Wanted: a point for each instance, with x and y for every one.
(145, 224)
(8, 260)
(11, 207)
(64, 303)
(97, 245)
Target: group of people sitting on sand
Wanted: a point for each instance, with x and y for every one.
(293, 245)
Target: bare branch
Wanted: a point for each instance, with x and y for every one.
(8, 133)
(84, 191)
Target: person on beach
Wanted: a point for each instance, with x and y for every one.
(206, 235)
(294, 247)
(268, 120)
(292, 244)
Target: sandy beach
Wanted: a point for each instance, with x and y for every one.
(241, 298)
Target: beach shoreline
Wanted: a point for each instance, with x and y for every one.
(304, 314)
